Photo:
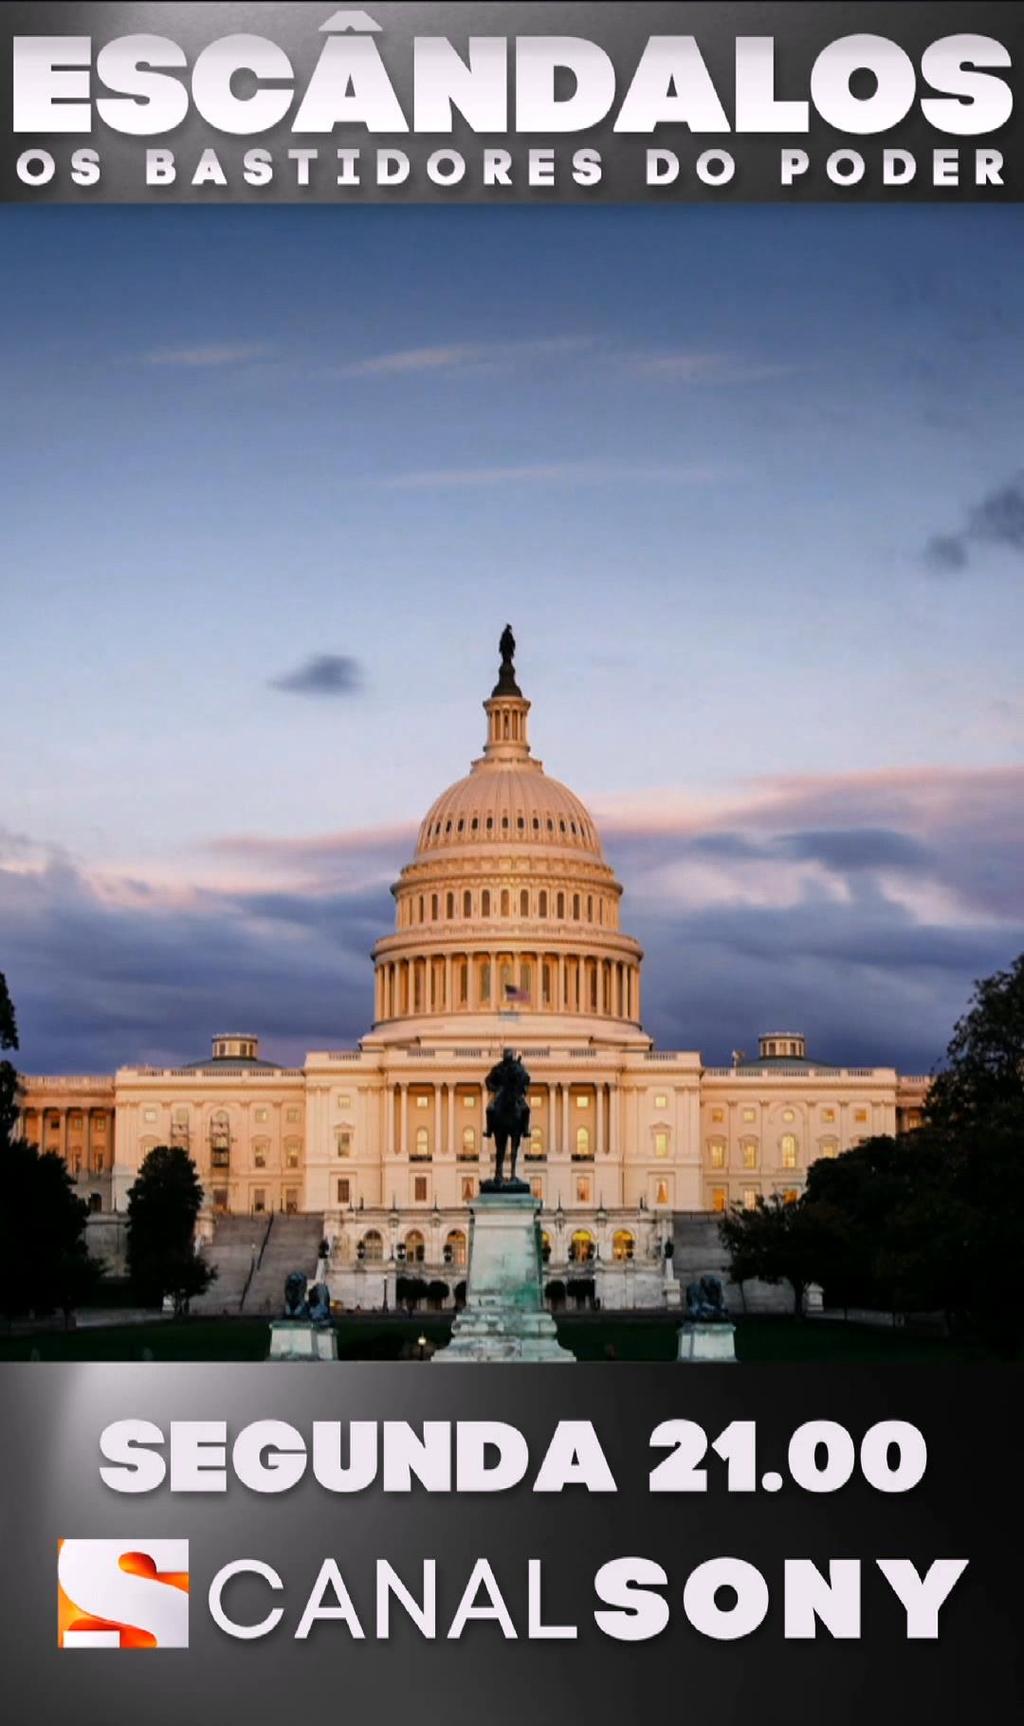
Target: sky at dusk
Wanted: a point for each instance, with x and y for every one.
(746, 481)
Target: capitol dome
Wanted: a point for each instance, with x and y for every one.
(508, 907)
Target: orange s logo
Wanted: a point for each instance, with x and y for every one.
(122, 1594)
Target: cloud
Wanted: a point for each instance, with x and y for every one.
(998, 519)
(689, 366)
(323, 674)
(208, 354)
(860, 908)
(461, 357)
(551, 473)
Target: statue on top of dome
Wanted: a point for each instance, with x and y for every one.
(506, 684)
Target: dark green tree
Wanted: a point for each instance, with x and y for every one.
(777, 1241)
(163, 1204)
(44, 1263)
(980, 1088)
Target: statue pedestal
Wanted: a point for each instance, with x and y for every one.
(707, 1341)
(297, 1339)
(504, 1317)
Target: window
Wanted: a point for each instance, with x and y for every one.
(583, 1102)
(468, 1151)
(661, 1143)
(716, 1153)
(344, 1192)
(504, 902)
(749, 1152)
(415, 1248)
(560, 906)
(468, 1189)
(291, 1201)
(342, 1101)
(259, 1199)
(536, 1146)
(373, 1246)
(524, 903)
(343, 1140)
(292, 1115)
(582, 1151)
(468, 1099)
(829, 1148)
(661, 1101)
(485, 904)
(542, 903)
(457, 1243)
(788, 1148)
(788, 1115)
(828, 1114)
(259, 1154)
(860, 1114)
(220, 1199)
(467, 904)
(422, 1102)
(537, 1188)
(750, 1198)
(261, 1114)
(419, 1189)
(147, 1115)
(291, 1154)
(750, 1114)
(718, 1114)
(623, 1245)
(581, 1247)
(719, 1198)
(421, 1148)
(179, 1115)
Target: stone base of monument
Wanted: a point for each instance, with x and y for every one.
(504, 1318)
(297, 1339)
(707, 1341)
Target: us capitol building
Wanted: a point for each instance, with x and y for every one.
(507, 933)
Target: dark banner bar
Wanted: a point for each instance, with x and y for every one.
(503, 104)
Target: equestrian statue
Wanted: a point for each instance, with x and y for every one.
(508, 1120)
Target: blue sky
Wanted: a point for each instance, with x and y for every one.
(747, 481)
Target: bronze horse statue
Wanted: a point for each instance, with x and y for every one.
(508, 1116)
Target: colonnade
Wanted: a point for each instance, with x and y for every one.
(494, 979)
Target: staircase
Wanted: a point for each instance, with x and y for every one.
(290, 1245)
(253, 1256)
(699, 1252)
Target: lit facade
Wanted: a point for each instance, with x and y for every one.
(507, 932)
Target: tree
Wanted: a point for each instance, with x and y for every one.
(777, 1241)
(44, 1262)
(163, 1204)
(981, 1086)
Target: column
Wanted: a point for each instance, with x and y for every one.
(389, 1121)
(437, 1121)
(403, 1118)
(549, 1136)
(564, 1146)
(452, 1102)
(599, 1123)
(449, 997)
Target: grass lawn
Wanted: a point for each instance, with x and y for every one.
(599, 1337)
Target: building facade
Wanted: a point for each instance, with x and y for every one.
(507, 933)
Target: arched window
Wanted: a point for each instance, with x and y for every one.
(469, 1143)
(467, 903)
(623, 1245)
(421, 908)
(542, 903)
(524, 903)
(581, 1249)
(582, 1143)
(449, 905)
(504, 902)
(788, 1149)
(590, 907)
(829, 1148)
(415, 1248)
(422, 1143)
(560, 907)
(576, 907)
(457, 1242)
(536, 1143)
(433, 907)
(661, 1141)
(485, 903)
(373, 1246)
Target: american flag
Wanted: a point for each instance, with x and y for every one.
(514, 994)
